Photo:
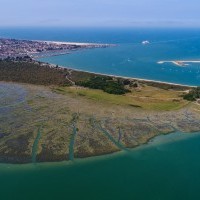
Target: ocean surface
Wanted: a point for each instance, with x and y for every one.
(129, 58)
(168, 168)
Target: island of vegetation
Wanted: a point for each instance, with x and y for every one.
(49, 113)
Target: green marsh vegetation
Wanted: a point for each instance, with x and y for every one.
(32, 73)
(193, 94)
(55, 95)
(66, 136)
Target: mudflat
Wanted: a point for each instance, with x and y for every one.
(56, 123)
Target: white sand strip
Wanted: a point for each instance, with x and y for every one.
(180, 63)
(73, 43)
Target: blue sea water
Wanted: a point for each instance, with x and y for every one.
(129, 58)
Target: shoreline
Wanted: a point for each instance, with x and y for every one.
(100, 156)
(148, 144)
(74, 43)
(117, 76)
(24, 47)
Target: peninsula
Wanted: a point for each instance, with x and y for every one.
(13, 48)
(49, 113)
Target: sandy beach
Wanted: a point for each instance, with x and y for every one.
(180, 63)
(126, 77)
(74, 43)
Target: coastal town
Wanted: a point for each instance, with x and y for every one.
(13, 48)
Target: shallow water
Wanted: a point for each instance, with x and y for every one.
(138, 61)
(166, 168)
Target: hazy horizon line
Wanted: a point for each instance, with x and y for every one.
(96, 27)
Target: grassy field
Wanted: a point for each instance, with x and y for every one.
(147, 97)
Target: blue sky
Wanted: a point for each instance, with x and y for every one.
(128, 13)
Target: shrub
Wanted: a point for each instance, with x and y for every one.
(33, 73)
(107, 84)
(193, 95)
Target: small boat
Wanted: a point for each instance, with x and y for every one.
(145, 42)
